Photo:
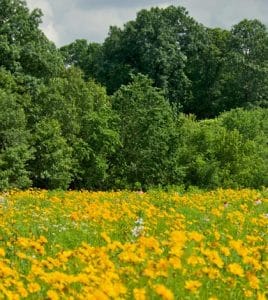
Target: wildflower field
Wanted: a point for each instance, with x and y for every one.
(127, 245)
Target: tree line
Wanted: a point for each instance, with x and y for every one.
(162, 101)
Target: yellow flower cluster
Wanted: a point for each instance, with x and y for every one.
(127, 245)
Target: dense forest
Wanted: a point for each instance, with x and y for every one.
(163, 101)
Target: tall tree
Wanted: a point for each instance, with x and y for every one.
(52, 163)
(146, 130)
(86, 56)
(204, 68)
(83, 112)
(244, 77)
(158, 44)
(15, 150)
(23, 46)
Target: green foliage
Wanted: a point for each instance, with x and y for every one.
(146, 130)
(216, 156)
(14, 143)
(98, 138)
(84, 115)
(52, 162)
(23, 46)
(86, 56)
(245, 74)
(156, 44)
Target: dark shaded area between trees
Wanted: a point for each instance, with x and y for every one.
(163, 101)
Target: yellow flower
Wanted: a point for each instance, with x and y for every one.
(248, 293)
(139, 294)
(212, 273)
(214, 257)
(216, 212)
(217, 235)
(239, 247)
(105, 236)
(74, 216)
(33, 287)
(225, 251)
(192, 285)
(52, 295)
(262, 296)
(22, 291)
(253, 281)
(195, 260)
(164, 292)
(21, 255)
(175, 262)
(236, 269)
(98, 295)
(2, 252)
(42, 240)
(195, 236)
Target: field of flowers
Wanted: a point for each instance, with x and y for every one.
(127, 245)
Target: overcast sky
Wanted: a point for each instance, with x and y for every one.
(67, 20)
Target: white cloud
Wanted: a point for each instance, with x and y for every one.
(48, 26)
(227, 12)
(67, 20)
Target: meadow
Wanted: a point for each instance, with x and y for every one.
(134, 245)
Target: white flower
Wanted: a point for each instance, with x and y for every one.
(3, 201)
(138, 228)
(139, 221)
(137, 231)
(258, 201)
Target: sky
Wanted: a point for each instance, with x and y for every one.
(64, 21)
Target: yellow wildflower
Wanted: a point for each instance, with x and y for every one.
(2, 252)
(74, 216)
(42, 240)
(175, 263)
(248, 293)
(52, 295)
(195, 260)
(236, 269)
(214, 257)
(192, 285)
(139, 294)
(33, 287)
(216, 212)
(21, 255)
(164, 292)
(253, 281)
(195, 236)
(225, 251)
(262, 296)
(212, 273)
(105, 236)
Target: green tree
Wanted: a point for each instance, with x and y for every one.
(204, 68)
(253, 126)
(98, 138)
(212, 155)
(23, 46)
(15, 151)
(52, 164)
(157, 44)
(146, 130)
(244, 78)
(83, 112)
(86, 56)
